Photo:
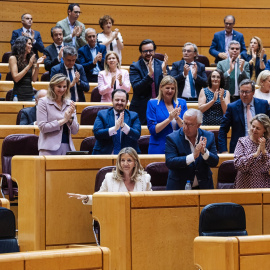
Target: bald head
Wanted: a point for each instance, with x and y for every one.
(41, 93)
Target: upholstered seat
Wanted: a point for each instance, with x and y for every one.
(89, 114)
(226, 175)
(159, 175)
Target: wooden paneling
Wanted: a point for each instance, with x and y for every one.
(240, 4)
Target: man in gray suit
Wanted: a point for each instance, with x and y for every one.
(234, 69)
(73, 30)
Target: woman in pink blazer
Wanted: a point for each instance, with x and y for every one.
(56, 118)
(113, 77)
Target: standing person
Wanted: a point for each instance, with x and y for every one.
(24, 68)
(190, 152)
(213, 100)
(220, 42)
(111, 39)
(145, 77)
(56, 118)
(129, 175)
(73, 30)
(113, 77)
(189, 74)
(251, 155)
(27, 31)
(263, 82)
(256, 57)
(164, 114)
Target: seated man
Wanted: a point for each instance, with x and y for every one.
(145, 77)
(27, 31)
(220, 42)
(74, 72)
(239, 114)
(190, 152)
(116, 128)
(54, 52)
(189, 74)
(28, 115)
(73, 30)
(234, 70)
(92, 55)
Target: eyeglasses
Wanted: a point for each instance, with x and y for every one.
(77, 12)
(245, 92)
(188, 51)
(234, 49)
(147, 51)
(230, 24)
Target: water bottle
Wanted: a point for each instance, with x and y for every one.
(188, 185)
(15, 98)
(33, 99)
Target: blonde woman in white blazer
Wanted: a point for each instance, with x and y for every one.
(128, 176)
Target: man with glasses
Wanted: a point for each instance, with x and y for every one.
(234, 70)
(190, 152)
(239, 115)
(73, 30)
(219, 46)
(189, 74)
(145, 77)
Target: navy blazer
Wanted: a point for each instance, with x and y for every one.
(234, 117)
(86, 59)
(104, 142)
(177, 73)
(218, 43)
(84, 85)
(38, 46)
(176, 151)
(248, 57)
(157, 113)
(142, 85)
(28, 116)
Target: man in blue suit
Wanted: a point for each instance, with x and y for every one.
(145, 77)
(116, 128)
(26, 30)
(189, 74)
(92, 55)
(190, 152)
(74, 72)
(219, 46)
(237, 115)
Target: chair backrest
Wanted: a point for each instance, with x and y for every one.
(222, 219)
(158, 56)
(203, 59)
(143, 143)
(226, 175)
(95, 95)
(101, 176)
(18, 120)
(9, 77)
(88, 144)
(8, 242)
(89, 114)
(159, 175)
(45, 77)
(5, 57)
(216, 137)
(9, 94)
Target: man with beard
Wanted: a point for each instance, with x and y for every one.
(117, 127)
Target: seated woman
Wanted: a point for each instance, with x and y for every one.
(164, 114)
(113, 77)
(213, 100)
(111, 39)
(256, 57)
(56, 118)
(251, 155)
(264, 82)
(128, 176)
(24, 68)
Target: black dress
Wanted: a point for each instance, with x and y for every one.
(23, 88)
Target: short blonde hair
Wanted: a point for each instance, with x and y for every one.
(265, 121)
(262, 77)
(138, 169)
(168, 80)
(260, 46)
(55, 80)
(106, 66)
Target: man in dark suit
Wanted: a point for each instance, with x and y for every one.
(74, 72)
(28, 115)
(190, 152)
(145, 77)
(189, 74)
(26, 30)
(116, 128)
(219, 46)
(239, 114)
(54, 52)
(92, 55)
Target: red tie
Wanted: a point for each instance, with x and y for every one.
(249, 115)
(153, 87)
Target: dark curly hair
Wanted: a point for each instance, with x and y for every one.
(18, 50)
(104, 19)
(222, 81)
